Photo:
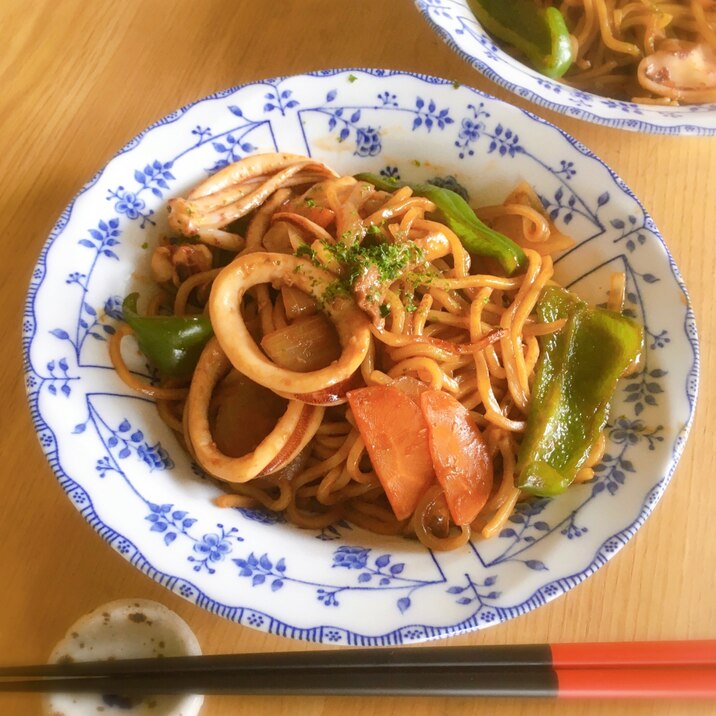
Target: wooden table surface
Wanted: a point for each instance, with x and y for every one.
(78, 79)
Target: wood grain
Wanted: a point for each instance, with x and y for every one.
(80, 79)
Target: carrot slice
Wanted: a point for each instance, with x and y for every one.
(317, 214)
(396, 438)
(460, 455)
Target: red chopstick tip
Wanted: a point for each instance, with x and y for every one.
(634, 654)
(649, 683)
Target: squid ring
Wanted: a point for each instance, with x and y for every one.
(262, 267)
(670, 73)
(291, 434)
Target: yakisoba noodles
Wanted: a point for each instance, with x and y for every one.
(651, 51)
(326, 295)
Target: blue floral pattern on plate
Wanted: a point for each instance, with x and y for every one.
(455, 23)
(123, 469)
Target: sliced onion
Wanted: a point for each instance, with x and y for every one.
(279, 238)
(297, 303)
(307, 344)
(412, 387)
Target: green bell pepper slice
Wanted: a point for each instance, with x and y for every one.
(477, 238)
(173, 344)
(540, 34)
(575, 380)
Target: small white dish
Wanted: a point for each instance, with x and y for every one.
(456, 24)
(124, 470)
(125, 629)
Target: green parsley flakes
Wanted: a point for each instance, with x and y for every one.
(390, 259)
(305, 251)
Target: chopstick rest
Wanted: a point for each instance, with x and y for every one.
(117, 631)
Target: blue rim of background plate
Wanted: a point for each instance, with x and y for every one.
(326, 633)
(630, 124)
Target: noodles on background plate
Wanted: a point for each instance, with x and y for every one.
(337, 347)
(647, 51)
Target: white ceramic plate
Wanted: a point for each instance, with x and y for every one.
(455, 23)
(124, 471)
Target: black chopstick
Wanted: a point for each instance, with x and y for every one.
(536, 681)
(426, 657)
